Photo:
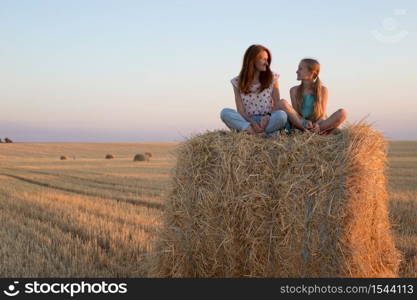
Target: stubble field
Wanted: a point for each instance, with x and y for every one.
(88, 216)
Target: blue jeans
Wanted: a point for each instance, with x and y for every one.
(234, 120)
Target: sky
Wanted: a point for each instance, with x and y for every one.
(159, 71)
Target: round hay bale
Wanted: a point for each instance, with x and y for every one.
(301, 205)
(140, 157)
(63, 157)
(149, 154)
(109, 156)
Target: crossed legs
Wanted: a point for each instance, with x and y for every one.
(330, 123)
(334, 120)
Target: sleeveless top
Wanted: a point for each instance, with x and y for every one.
(307, 107)
(257, 103)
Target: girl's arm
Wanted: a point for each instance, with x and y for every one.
(293, 95)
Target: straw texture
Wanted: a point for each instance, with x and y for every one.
(300, 205)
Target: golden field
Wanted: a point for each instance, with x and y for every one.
(88, 216)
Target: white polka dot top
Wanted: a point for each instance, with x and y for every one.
(257, 103)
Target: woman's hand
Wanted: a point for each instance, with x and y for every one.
(264, 122)
(257, 127)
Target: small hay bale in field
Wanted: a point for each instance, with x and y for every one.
(140, 157)
(300, 205)
(149, 154)
(109, 156)
(63, 157)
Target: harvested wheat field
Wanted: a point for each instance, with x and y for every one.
(89, 217)
(93, 217)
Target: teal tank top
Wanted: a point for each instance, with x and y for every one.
(308, 106)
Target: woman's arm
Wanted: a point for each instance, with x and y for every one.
(275, 101)
(275, 96)
(241, 109)
(239, 105)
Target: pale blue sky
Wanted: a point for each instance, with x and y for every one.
(122, 71)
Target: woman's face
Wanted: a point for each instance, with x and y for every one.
(303, 73)
(261, 61)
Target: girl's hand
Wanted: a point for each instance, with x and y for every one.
(264, 122)
(315, 128)
(309, 125)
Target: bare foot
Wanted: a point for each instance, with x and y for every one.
(250, 130)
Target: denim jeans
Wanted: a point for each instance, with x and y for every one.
(234, 120)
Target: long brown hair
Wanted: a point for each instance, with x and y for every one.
(247, 72)
(313, 66)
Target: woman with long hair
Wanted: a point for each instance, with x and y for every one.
(256, 95)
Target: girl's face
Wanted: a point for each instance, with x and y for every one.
(303, 73)
(261, 61)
